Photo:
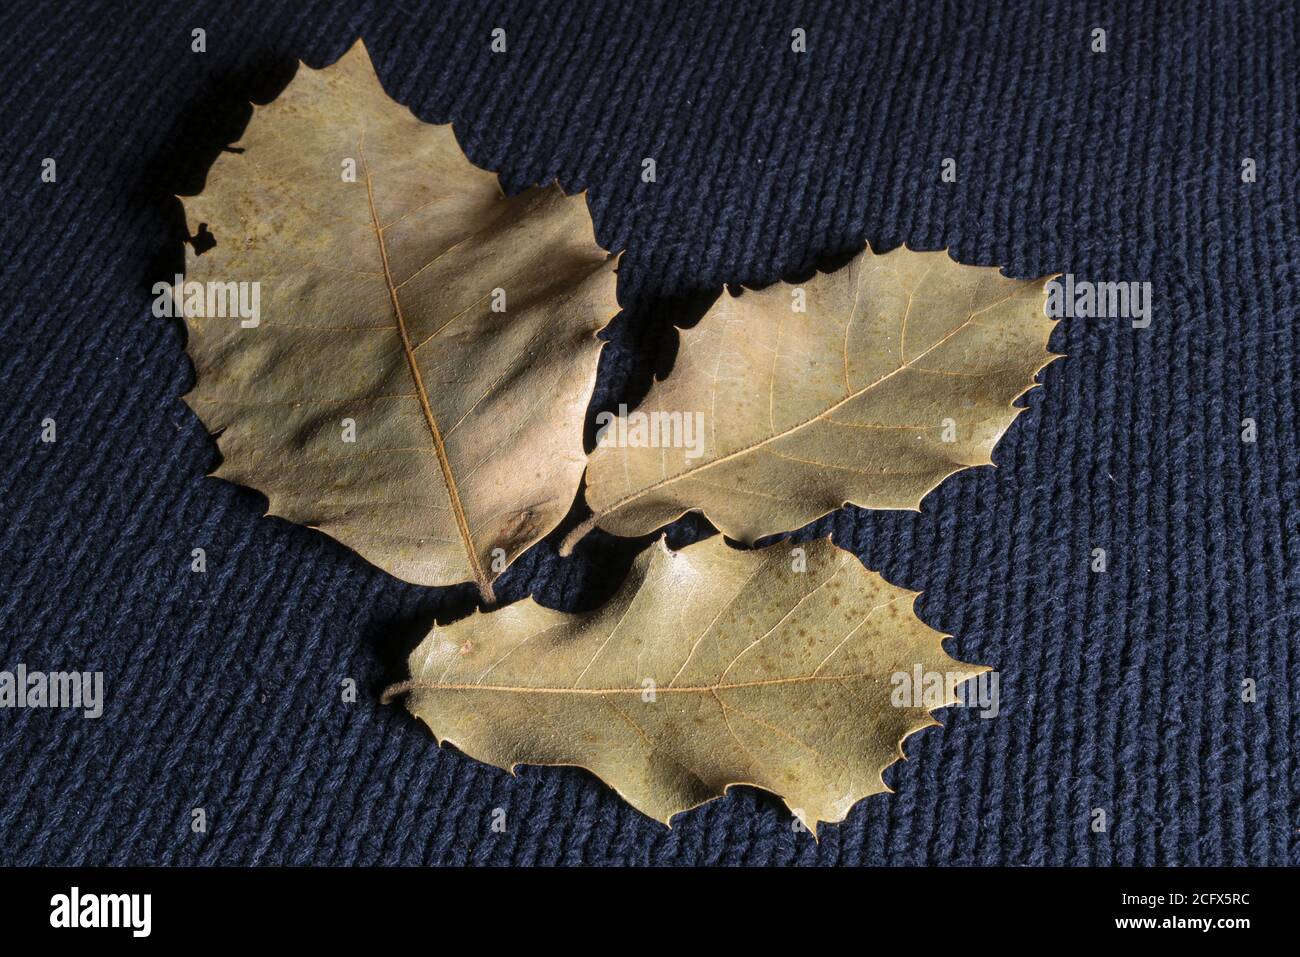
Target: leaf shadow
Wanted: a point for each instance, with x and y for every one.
(201, 130)
(394, 637)
(641, 345)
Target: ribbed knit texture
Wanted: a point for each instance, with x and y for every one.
(1119, 690)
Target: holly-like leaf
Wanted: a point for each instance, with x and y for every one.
(416, 382)
(795, 670)
(869, 385)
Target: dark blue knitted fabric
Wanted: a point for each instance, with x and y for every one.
(1120, 690)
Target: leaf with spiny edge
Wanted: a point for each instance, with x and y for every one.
(377, 295)
(711, 667)
(801, 413)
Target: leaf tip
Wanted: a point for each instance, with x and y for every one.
(358, 51)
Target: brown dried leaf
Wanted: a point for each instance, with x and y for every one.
(802, 413)
(376, 300)
(711, 667)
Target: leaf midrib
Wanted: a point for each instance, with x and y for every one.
(685, 689)
(439, 446)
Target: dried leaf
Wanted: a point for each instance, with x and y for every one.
(376, 297)
(710, 667)
(902, 371)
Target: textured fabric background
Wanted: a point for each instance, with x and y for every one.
(1119, 690)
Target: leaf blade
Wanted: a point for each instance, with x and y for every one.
(377, 309)
(843, 405)
(761, 676)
